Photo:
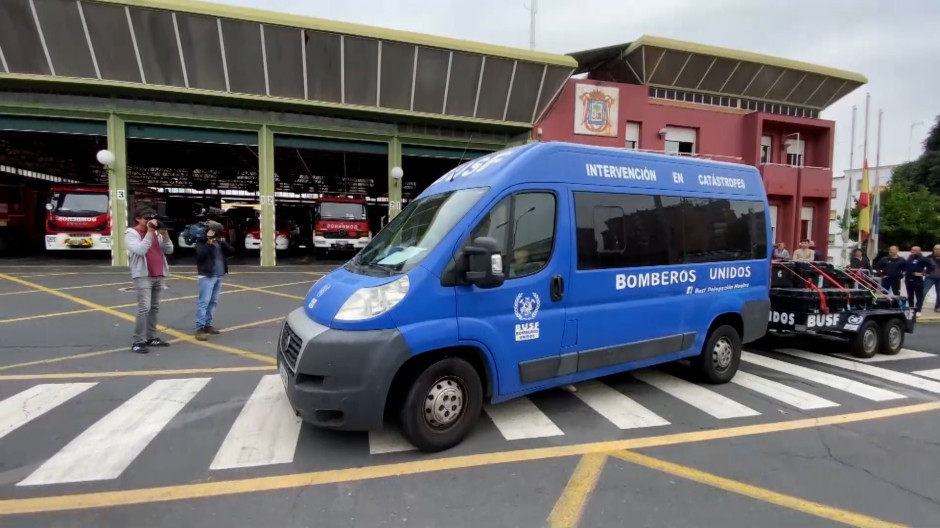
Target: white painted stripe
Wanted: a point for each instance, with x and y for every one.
(388, 440)
(22, 408)
(780, 392)
(891, 375)
(857, 388)
(699, 397)
(265, 432)
(106, 448)
(617, 407)
(520, 418)
(932, 373)
(902, 355)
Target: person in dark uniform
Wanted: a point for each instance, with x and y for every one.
(859, 261)
(915, 269)
(891, 269)
(211, 255)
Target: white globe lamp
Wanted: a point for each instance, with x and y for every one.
(397, 173)
(105, 157)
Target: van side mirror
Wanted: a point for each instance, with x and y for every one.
(485, 266)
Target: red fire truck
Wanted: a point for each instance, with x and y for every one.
(341, 224)
(78, 217)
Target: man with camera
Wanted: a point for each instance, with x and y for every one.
(147, 244)
(211, 253)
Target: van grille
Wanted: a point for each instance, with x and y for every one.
(289, 346)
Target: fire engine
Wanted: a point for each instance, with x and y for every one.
(341, 224)
(78, 217)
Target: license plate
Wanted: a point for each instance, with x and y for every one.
(80, 242)
(283, 372)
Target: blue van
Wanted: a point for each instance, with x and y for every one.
(531, 268)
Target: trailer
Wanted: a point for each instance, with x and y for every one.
(818, 298)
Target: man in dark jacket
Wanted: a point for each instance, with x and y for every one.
(859, 260)
(915, 269)
(891, 269)
(932, 281)
(211, 253)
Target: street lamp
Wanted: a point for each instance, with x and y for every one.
(105, 157)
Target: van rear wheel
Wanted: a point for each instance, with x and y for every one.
(720, 356)
(442, 405)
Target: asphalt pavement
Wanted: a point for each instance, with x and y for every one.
(198, 434)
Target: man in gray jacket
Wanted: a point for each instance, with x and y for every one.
(147, 247)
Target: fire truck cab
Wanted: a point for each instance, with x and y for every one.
(78, 217)
(341, 223)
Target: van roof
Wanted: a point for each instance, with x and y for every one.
(585, 165)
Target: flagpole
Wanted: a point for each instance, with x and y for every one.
(873, 238)
(864, 157)
(846, 211)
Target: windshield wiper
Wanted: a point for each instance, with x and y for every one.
(384, 267)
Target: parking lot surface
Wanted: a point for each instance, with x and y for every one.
(201, 434)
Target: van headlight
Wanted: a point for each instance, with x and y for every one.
(370, 302)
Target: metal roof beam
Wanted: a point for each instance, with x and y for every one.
(264, 60)
(810, 98)
(218, 24)
(538, 97)
(130, 27)
(682, 69)
(834, 94)
(754, 78)
(782, 73)
(414, 78)
(476, 101)
(91, 47)
(655, 66)
(512, 79)
(42, 38)
(450, 61)
(635, 74)
(714, 60)
(730, 75)
(303, 58)
(795, 86)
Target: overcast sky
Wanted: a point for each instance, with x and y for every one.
(895, 44)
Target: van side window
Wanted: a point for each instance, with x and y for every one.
(528, 239)
(632, 230)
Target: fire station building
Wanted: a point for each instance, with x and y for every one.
(667, 96)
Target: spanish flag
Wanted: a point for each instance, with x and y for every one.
(864, 211)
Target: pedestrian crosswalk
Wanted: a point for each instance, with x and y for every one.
(264, 432)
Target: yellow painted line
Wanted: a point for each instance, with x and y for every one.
(763, 494)
(121, 349)
(131, 318)
(261, 289)
(121, 374)
(45, 316)
(569, 507)
(298, 480)
(29, 276)
(19, 292)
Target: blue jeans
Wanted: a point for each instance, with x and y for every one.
(209, 288)
(931, 282)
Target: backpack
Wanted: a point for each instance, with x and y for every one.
(195, 233)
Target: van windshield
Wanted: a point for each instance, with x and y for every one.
(415, 232)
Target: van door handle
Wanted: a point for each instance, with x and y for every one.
(558, 288)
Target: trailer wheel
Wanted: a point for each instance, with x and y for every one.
(866, 342)
(720, 356)
(442, 405)
(892, 333)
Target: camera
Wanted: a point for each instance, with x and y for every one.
(161, 221)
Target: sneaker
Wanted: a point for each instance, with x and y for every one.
(140, 348)
(211, 330)
(202, 335)
(157, 342)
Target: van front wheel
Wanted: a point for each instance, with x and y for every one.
(442, 405)
(720, 356)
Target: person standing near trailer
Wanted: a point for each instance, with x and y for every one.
(915, 269)
(932, 281)
(891, 269)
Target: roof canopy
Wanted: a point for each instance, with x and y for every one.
(197, 47)
(673, 64)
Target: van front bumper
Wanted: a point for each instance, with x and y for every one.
(339, 379)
